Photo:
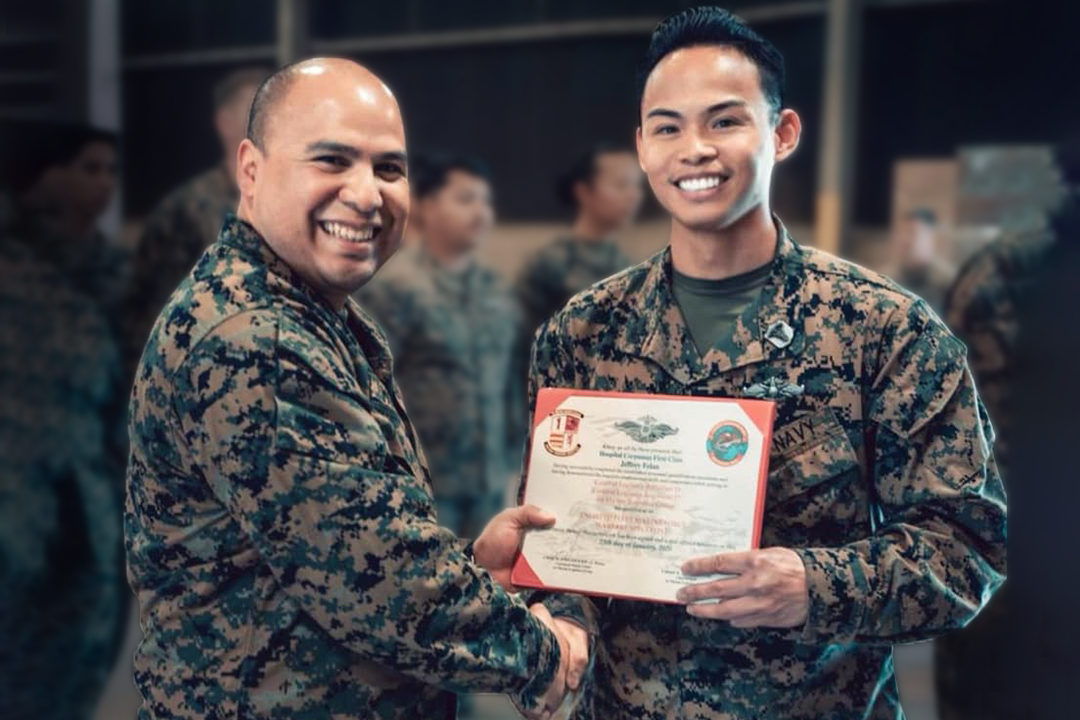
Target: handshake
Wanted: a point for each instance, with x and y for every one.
(495, 551)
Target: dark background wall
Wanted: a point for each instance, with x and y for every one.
(932, 77)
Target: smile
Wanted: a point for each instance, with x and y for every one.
(700, 184)
(349, 233)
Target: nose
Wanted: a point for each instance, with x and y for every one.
(361, 191)
(697, 150)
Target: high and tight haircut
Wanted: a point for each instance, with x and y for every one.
(269, 93)
(228, 88)
(710, 25)
(584, 169)
(430, 171)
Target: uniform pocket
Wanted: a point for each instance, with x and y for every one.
(806, 452)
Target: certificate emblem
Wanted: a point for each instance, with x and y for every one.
(727, 443)
(563, 427)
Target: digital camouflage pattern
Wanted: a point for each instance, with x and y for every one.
(93, 266)
(175, 235)
(452, 336)
(983, 310)
(561, 270)
(881, 477)
(61, 569)
(973, 667)
(280, 526)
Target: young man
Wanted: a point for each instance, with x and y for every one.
(885, 517)
(280, 525)
(451, 324)
(189, 219)
(604, 186)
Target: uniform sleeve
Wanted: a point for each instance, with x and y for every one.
(938, 548)
(980, 310)
(303, 466)
(551, 366)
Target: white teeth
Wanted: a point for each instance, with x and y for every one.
(347, 233)
(700, 183)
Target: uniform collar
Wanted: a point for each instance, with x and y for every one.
(776, 330)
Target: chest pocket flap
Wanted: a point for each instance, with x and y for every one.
(809, 450)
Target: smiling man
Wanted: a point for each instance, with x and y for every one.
(885, 517)
(280, 524)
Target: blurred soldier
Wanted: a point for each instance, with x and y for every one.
(65, 183)
(1004, 306)
(188, 220)
(885, 518)
(280, 523)
(61, 581)
(451, 324)
(916, 258)
(605, 186)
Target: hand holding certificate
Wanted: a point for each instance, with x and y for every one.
(640, 484)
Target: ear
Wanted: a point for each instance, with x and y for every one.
(637, 142)
(786, 134)
(248, 159)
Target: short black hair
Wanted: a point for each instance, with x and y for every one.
(227, 88)
(923, 214)
(584, 168)
(710, 25)
(430, 171)
(36, 148)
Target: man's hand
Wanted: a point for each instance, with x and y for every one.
(577, 640)
(768, 588)
(498, 545)
(553, 698)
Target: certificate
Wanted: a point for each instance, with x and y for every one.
(639, 484)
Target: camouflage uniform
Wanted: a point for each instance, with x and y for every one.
(94, 266)
(982, 310)
(973, 667)
(881, 478)
(176, 233)
(280, 525)
(549, 278)
(452, 335)
(559, 271)
(60, 545)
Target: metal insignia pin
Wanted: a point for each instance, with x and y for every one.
(774, 388)
(780, 334)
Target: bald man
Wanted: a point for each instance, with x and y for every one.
(280, 524)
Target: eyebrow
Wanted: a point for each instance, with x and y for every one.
(718, 107)
(333, 147)
(396, 156)
(353, 153)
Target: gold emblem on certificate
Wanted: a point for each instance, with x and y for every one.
(563, 429)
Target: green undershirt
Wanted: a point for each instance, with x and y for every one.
(711, 307)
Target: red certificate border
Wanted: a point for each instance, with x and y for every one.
(761, 412)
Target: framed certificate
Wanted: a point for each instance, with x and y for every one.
(639, 484)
